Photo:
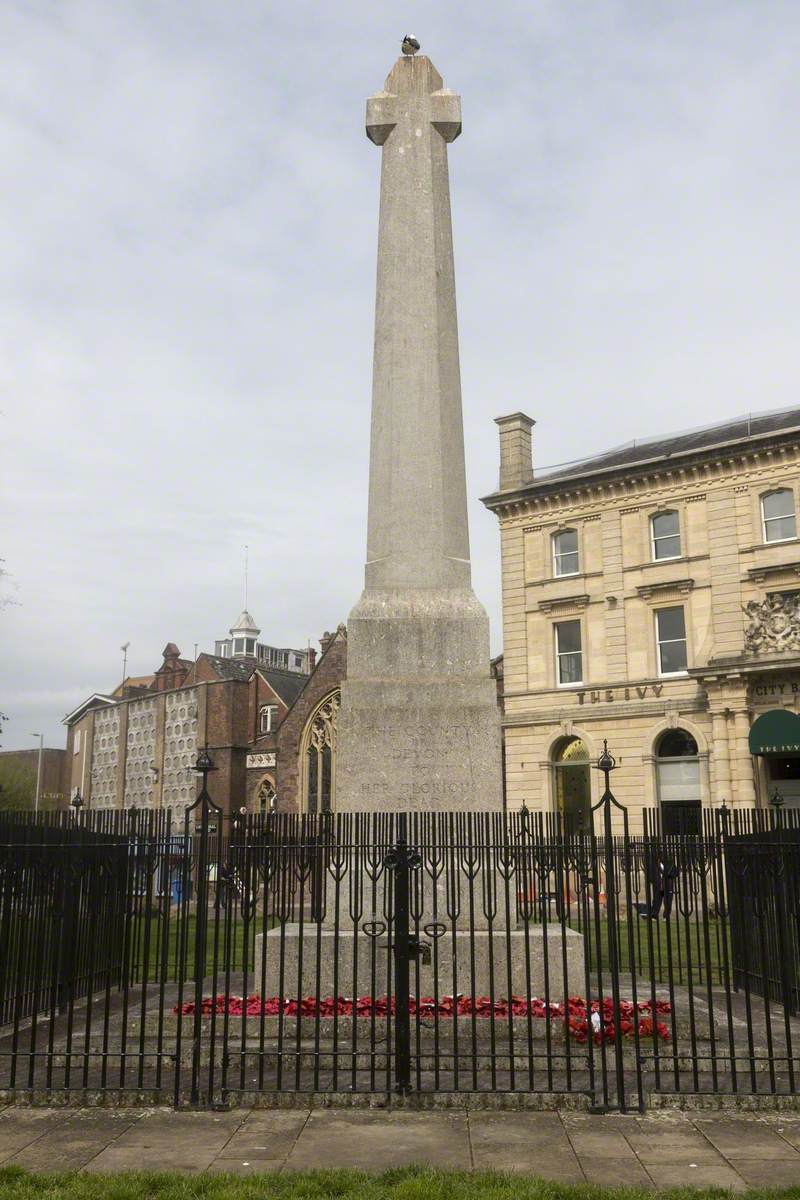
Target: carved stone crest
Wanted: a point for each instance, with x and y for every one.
(773, 625)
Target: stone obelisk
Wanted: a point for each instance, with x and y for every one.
(419, 725)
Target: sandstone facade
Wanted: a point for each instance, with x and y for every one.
(725, 575)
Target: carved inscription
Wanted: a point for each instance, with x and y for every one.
(435, 760)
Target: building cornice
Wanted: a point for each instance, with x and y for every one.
(688, 470)
(735, 668)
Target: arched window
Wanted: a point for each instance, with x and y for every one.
(565, 552)
(573, 784)
(266, 796)
(665, 534)
(678, 782)
(778, 515)
(319, 756)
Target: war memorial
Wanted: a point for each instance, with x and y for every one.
(419, 944)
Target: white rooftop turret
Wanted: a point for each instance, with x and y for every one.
(244, 624)
(244, 633)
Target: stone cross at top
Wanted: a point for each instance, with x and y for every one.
(413, 96)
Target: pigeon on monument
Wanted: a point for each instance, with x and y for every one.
(410, 44)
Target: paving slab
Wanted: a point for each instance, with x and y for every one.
(616, 1172)
(788, 1127)
(535, 1142)
(594, 1139)
(704, 1174)
(759, 1173)
(263, 1142)
(740, 1137)
(672, 1145)
(380, 1141)
(166, 1140)
(74, 1142)
(182, 1162)
(21, 1126)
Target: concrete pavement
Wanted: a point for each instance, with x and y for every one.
(658, 1150)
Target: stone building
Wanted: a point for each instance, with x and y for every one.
(650, 597)
(136, 746)
(293, 768)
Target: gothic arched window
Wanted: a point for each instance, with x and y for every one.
(266, 796)
(319, 756)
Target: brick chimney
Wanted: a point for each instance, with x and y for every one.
(325, 641)
(516, 454)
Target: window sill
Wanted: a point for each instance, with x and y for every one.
(560, 578)
(665, 562)
(766, 545)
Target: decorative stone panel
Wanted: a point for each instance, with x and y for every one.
(139, 774)
(180, 749)
(559, 603)
(105, 757)
(669, 589)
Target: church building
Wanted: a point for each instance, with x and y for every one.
(651, 597)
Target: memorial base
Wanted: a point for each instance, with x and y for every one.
(327, 962)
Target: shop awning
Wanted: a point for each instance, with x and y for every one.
(776, 732)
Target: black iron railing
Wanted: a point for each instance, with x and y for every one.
(208, 958)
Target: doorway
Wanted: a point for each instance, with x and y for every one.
(573, 789)
(783, 776)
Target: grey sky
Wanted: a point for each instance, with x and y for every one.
(188, 223)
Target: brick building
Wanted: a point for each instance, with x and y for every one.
(651, 596)
(135, 747)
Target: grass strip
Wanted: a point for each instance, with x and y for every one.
(408, 1183)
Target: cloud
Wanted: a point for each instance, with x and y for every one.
(187, 239)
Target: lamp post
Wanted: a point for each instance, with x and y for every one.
(76, 803)
(40, 736)
(202, 766)
(606, 763)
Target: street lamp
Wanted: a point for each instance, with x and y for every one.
(606, 763)
(776, 800)
(203, 765)
(76, 802)
(40, 736)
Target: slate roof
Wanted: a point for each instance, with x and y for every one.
(681, 445)
(288, 684)
(231, 668)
